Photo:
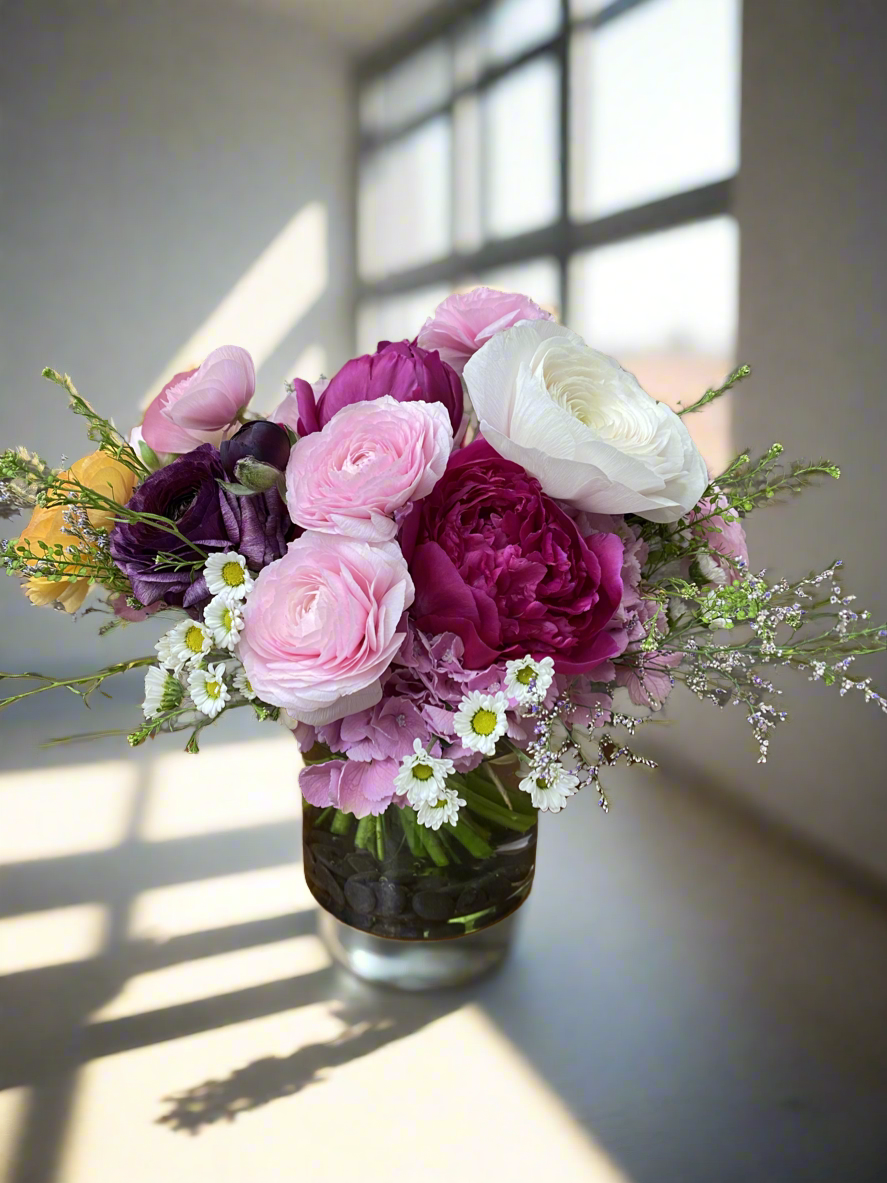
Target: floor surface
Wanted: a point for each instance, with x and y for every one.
(689, 1000)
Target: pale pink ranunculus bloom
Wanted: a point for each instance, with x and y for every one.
(201, 406)
(321, 626)
(467, 320)
(365, 465)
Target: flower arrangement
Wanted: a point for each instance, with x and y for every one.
(441, 568)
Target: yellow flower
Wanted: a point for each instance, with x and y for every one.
(103, 474)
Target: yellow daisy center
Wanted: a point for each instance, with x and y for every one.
(213, 689)
(525, 675)
(194, 639)
(423, 771)
(232, 573)
(484, 722)
(227, 619)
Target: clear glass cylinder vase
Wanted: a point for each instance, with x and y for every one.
(416, 908)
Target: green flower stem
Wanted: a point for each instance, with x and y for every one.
(433, 847)
(71, 684)
(472, 841)
(380, 837)
(322, 818)
(508, 819)
(410, 827)
(341, 823)
(366, 831)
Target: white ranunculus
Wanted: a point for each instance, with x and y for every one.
(582, 425)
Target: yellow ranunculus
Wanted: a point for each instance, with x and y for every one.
(103, 474)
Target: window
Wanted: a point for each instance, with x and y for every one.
(581, 151)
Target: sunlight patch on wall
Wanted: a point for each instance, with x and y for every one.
(268, 300)
(13, 1106)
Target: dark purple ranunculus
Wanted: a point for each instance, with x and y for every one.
(398, 368)
(266, 442)
(188, 492)
(499, 563)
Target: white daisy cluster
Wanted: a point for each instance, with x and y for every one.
(183, 653)
(423, 780)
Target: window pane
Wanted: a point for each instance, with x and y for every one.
(394, 318)
(514, 26)
(537, 278)
(521, 150)
(655, 103)
(411, 89)
(404, 202)
(467, 161)
(665, 305)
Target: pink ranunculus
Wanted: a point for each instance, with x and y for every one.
(367, 463)
(357, 787)
(322, 625)
(201, 406)
(466, 321)
(397, 368)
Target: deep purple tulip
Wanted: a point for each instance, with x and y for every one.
(398, 368)
(262, 440)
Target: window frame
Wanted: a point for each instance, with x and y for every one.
(564, 237)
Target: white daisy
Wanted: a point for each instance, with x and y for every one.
(224, 617)
(527, 680)
(207, 688)
(443, 807)
(480, 721)
(549, 793)
(243, 684)
(422, 775)
(226, 575)
(163, 692)
(185, 644)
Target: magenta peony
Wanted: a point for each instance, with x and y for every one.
(406, 372)
(321, 626)
(201, 406)
(466, 321)
(501, 565)
(367, 464)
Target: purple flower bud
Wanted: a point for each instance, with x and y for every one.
(261, 440)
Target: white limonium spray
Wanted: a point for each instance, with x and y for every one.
(480, 721)
(224, 617)
(163, 692)
(527, 680)
(185, 645)
(243, 685)
(207, 688)
(549, 793)
(443, 807)
(227, 575)
(422, 777)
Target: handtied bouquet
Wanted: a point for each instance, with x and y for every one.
(462, 571)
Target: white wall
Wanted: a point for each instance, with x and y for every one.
(812, 324)
(149, 153)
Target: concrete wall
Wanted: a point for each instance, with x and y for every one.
(812, 324)
(149, 153)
